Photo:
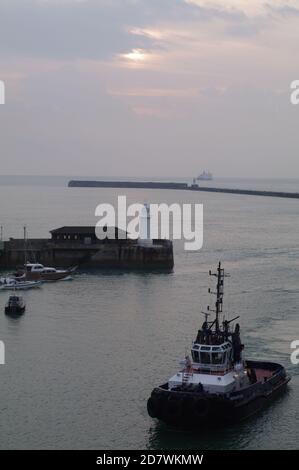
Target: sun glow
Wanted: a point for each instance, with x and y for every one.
(136, 55)
(137, 58)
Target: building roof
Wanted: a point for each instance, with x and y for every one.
(74, 229)
(84, 230)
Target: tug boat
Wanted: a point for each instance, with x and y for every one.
(216, 385)
(15, 305)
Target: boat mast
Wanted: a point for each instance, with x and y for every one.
(219, 294)
(25, 245)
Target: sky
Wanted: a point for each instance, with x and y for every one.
(149, 87)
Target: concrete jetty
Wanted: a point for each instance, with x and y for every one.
(177, 186)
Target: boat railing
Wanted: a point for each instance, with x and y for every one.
(212, 369)
(186, 377)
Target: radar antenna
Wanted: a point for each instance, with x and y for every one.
(219, 293)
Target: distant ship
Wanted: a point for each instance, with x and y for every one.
(205, 176)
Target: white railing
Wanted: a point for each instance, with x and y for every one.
(186, 376)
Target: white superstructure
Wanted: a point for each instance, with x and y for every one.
(212, 368)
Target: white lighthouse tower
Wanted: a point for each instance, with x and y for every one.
(145, 226)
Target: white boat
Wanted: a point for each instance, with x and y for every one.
(39, 272)
(8, 283)
(205, 176)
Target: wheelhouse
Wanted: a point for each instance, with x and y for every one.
(212, 357)
(15, 299)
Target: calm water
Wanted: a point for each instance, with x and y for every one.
(82, 361)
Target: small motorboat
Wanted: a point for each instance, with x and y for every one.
(15, 305)
(8, 283)
(37, 271)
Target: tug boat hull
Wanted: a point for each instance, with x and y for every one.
(185, 407)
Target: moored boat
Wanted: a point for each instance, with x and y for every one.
(36, 271)
(15, 284)
(216, 385)
(15, 305)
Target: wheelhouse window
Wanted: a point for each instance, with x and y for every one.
(195, 356)
(217, 358)
(205, 358)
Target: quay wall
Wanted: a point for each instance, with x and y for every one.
(127, 255)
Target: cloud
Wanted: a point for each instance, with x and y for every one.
(155, 92)
(93, 29)
(66, 30)
(70, 29)
(250, 8)
(128, 86)
(285, 10)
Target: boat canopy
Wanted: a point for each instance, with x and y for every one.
(34, 267)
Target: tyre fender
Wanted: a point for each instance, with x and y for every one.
(201, 407)
(153, 407)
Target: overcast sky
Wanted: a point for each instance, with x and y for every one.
(149, 87)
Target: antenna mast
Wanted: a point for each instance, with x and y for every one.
(219, 293)
(25, 245)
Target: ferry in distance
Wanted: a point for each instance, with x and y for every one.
(205, 176)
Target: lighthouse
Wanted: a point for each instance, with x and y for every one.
(145, 226)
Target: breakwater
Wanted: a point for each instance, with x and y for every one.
(69, 247)
(177, 186)
(126, 184)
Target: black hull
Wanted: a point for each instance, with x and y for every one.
(187, 408)
(14, 310)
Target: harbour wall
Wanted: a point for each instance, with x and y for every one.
(125, 254)
(177, 186)
(126, 184)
